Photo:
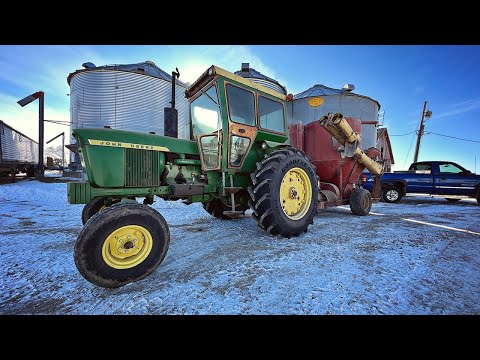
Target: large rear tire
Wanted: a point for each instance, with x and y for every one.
(392, 194)
(122, 244)
(360, 202)
(284, 194)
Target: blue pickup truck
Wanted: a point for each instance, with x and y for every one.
(438, 178)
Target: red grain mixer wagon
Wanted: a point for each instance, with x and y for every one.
(333, 145)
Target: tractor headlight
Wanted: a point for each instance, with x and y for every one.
(238, 149)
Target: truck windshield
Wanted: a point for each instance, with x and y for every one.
(205, 112)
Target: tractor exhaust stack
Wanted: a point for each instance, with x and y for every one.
(170, 115)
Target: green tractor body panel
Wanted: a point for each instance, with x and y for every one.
(142, 156)
(120, 164)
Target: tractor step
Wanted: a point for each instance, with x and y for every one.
(233, 189)
(233, 214)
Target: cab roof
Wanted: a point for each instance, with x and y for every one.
(215, 70)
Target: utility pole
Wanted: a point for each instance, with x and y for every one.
(425, 114)
(41, 117)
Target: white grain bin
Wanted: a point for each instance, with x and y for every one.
(125, 97)
(257, 77)
(313, 103)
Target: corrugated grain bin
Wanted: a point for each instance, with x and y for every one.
(315, 102)
(125, 97)
(257, 77)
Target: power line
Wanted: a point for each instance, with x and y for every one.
(453, 137)
(411, 132)
(411, 143)
(408, 153)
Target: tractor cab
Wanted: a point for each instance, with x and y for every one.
(234, 120)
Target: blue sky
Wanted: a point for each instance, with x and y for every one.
(401, 78)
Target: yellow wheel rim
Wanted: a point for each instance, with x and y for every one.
(127, 247)
(295, 193)
(102, 208)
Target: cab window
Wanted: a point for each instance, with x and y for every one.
(421, 167)
(205, 113)
(241, 105)
(271, 114)
(449, 169)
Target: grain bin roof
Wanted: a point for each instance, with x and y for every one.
(322, 90)
(144, 68)
(252, 73)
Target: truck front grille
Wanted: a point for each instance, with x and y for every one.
(142, 168)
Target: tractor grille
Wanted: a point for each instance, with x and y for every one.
(142, 168)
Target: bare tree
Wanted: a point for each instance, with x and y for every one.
(55, 152)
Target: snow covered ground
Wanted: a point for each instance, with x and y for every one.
(344, 264)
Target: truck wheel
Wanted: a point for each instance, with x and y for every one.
(31, 171)
(452, 200)
(96, 205)
(124, 243)
(216, 208)
(360, 201)
(392, 194)
(284, 194)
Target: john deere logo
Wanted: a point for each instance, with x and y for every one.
(127, 145)
(316, 101)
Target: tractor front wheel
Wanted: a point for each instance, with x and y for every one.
(284, 194)
(122, 244)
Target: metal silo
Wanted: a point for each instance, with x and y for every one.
(313, 103)
(127, 97)
(255, 76)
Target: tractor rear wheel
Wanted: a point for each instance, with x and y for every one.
(96, 205)
(284, 194)
(216, 208)
(122, 244)
(360, 202)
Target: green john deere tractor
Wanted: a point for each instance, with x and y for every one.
(239, 158)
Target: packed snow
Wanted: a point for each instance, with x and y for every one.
(344, 264)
